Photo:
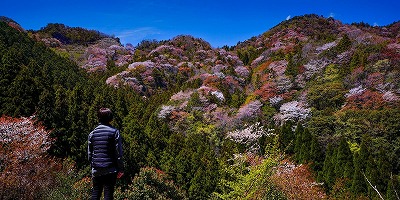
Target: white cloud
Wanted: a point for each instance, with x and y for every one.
(135, 36)
(331, 14)
(288, 17)
(376, 24)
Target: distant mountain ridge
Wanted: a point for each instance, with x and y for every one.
(294, 51)
(11, 23)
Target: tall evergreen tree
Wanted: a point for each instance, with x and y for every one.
(393, 188)
(328, 170)
(286, 137)
(344, 159)
(316, 155)
(305, 146)
(359, 184)
(298, 141)
(372, 174)
(384, 170)
(135, 143)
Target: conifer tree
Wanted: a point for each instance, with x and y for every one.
(316, 154)
(328, 170)
(169, 160)
(359, 184)
(372, 174)
(384, 169)
(135, 143)
(344, 160)
(286, 138)
(393, 188)
(364, 153)
(298, 141)
(305, 146)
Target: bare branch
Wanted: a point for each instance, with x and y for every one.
(373, 187)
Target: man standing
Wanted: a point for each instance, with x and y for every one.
(105, 156)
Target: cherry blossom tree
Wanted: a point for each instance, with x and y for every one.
(293, 111)
(249, 110)
(249, 136)
(26, 169)
(165, 111)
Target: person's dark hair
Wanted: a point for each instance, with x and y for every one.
(105, 115)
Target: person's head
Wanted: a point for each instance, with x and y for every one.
(105, 115)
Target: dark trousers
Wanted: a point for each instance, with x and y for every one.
(106, 182)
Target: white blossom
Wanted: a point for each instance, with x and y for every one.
(275, 100)
(220, 75)
(165, 111)
(219, 95)
(326, 46)
(249, 136)
(314, 66)
(283, 83)
(355, 91)
(292, 111)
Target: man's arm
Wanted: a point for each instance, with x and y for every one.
(90, 148)
(119, 151)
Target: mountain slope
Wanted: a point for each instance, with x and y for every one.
(314, 90)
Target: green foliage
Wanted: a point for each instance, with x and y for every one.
(359, 184)
(328, 171)
(287, 137)
(70, 185)
(305, 146)
(150, 183)
(326, 96)
(255, 184)
(237, 99)
(194, 100)
(316, 155)
(247, 55)
(68, 35)
(298, 132)
(343, 45)
(393, 188)
(344, 160)
(307, 149)
(135, 143)
(322, 125)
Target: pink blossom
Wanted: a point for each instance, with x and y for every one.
(181, 95)
(242, 71)
(258, 60)
(147, 64)
(249, 110)
(390, 96)
(278, 67)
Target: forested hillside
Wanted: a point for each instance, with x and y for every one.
(307, 110)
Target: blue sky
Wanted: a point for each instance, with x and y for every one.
(218, 22)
